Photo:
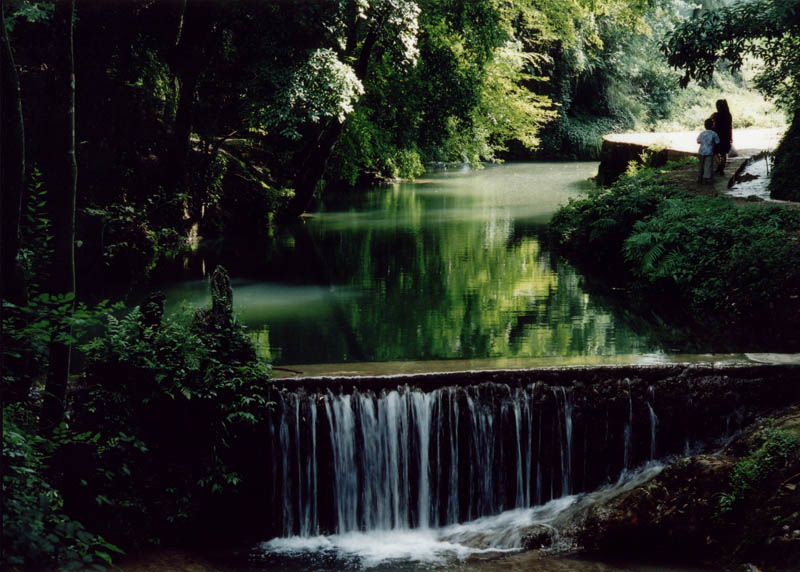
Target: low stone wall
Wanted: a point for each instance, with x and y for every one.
(615, 155)
(619, 149)
(556, 376)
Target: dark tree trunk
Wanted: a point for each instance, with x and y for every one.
(315, 157)
(62, 180)
(188, 62)
(12, 167)
(785, 181)
(311, 168)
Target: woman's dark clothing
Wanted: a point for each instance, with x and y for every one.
(723, 125)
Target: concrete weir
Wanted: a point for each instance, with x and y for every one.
(427, 449)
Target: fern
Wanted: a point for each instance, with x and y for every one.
(651, 256)
(671, 262)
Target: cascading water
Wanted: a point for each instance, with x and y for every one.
(627, 453)
(651, 392)
(408, 459)
(404, 458)
(398, 472)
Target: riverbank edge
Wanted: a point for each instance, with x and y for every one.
(738, 509)
(721, 269)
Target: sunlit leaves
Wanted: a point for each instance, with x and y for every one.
(510, 110)
(767, 29)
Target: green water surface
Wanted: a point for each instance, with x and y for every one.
(453, 266)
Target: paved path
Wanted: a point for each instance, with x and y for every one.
(745, 141)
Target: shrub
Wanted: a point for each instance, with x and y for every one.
(169, 402)
(777, 447)
(36, 531)
(721, 259)
(593, 229)
(723, 265)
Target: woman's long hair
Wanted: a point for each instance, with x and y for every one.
(722, 108)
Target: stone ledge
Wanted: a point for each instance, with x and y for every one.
(619, 149)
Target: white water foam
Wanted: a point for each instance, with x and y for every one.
(497, 534)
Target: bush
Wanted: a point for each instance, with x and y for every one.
(722, 259)
(593, 229)
(169, 401)
(777, 447)
(36, 531)
(725, 266)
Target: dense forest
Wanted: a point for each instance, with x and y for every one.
(131, 127)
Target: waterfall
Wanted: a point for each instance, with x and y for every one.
(651, 392)
(564, 425)
(405, 458)
(628, 442)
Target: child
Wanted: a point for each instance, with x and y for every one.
(707, 140)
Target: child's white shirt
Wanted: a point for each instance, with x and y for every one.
(707, 139)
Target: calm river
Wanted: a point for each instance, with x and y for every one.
(453, 266)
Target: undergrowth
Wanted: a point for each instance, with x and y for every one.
(776, 449)
(726, 265)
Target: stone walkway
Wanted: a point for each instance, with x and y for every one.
(746, 141)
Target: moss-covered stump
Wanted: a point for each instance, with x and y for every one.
(742, 506)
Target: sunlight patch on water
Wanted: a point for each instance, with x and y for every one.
(258, 302)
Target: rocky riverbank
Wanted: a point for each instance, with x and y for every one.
(738, 509)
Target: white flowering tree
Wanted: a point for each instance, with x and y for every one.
(315, 99)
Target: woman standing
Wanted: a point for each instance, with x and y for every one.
(723, 125)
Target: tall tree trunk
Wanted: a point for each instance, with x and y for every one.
(311, 168)
(189, 60)
(315, 158)
(62, 184)
(12, 167)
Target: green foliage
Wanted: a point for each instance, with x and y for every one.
(595, 228)
(767, 29)
(31, 326)
(578, 136)
(777, 447)
(407, 164)
(722, 259)
(510, 110)
(321, 88)
(606, 76)
(29, 11)
(691, 106)
(725, 264)
(169, 402)
(36, 531)
(44, 314)
(36, 238)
